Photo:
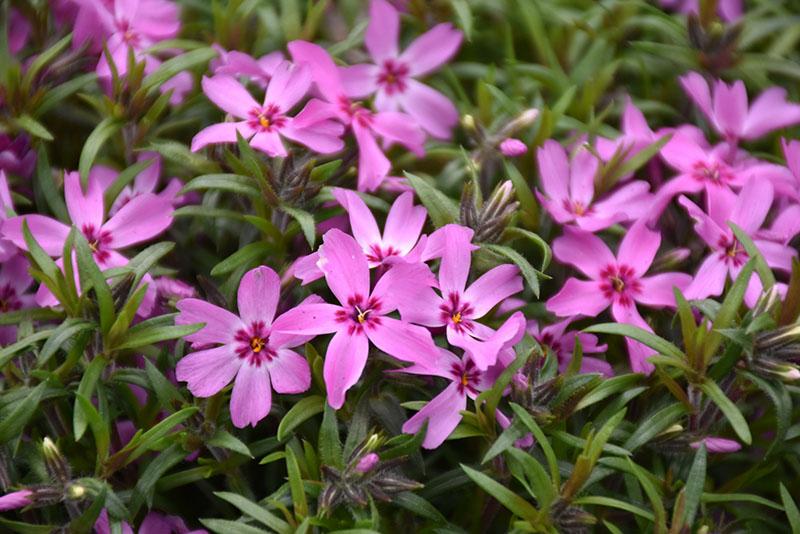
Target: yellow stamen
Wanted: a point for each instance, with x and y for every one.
(464, 379)
(362, 315)
(257, 344)
(457, 317)
(619, 285)
(263, 121)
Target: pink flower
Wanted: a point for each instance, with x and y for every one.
(636, 135)
(717, 444)
(459, 307)
(141, 219)
(15, 499)
(466, 379)
(264, 125)
(727, 109)
(569, 191)
(561, 342)
(7, 248)
(236, 64)
(513, 148)
(16, 155)
(400, 238)
(618, 282)
(153, 523)
(367, 463)
(392, 126)
(729, 10)
(362, 316)
(14, 285)
(19, 30)
(748, 210)
(250, 347)
(392, 76)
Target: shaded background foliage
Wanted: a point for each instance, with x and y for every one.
(610, 455)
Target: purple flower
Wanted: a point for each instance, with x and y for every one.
(15, 499)
(561, 342)
(265, 124)
(569, 191)
(367, 463)
(636, 135)
(513, 148)
(717, 444)
(236, 64)
(726, 107)
(19, 30)
(361, 316)
(729, 10)
(250, 347)
(748, 210)
(400, 239)
(14, 284)
(392, 126)
(618, 282)
(443, 412)
(459, 307)
(392, 75)
(16, 156)
(7, 248)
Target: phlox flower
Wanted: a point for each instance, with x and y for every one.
(617, 282)
(265, 124)
(7, 248)
(561, 342)
(254, 347)
(636, 135)
(747, 210)
(401, 234)
(443, 412)
(16, 155)
(714, 444)
(569, 191)
(15, 499)
(727, 109)
(153, 523)
(19, 30)
(14, 285)
(392, 75)
(144, 182)
(728, 10)
(361, 316)
(238, 64)
(512, 148)
(141, 219)
(458, 307)
(392, 126)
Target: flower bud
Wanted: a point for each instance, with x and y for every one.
(76, 491)
(15, 499)
(54, 461)
(367, 463)
(512, 147)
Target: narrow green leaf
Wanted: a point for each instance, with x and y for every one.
(91, 277)
(305, 409)
(792, 513)
(732, 413)
(694, 485)
(516, 504)
(12, 425)
(101, 133)
(306, 222)
(233, 183)
(441, 208)
(255, 511)
(639, 334)
(296, 485)
(529, 273)
(33, 127)
(86, 388)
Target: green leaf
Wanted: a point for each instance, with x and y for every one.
(304, 410)
(234, 183)
(296, 485)
(607, 388)
(441, 208)
(42, 60)
(763, 270)
(102, 439)
(792, 513)
(306, 222)
(146, 482)
(57, 94)
(86, 388)
(7, 353)
(610, 502)
(529, 273)
(14, 422)
(639, 334)
(228, 441)
(541, 440)
(91, 277)
(654, 424)
(516, 504)
(330, 445)
(45, 186)
(101, 133)
(142, 442)
(59, 338)
(732, 413)
(542, 488)
(140, 337)
(255, 511)
(730, 307)
(694, 485)
(124, 178)
(739, 497)
(176, 65)
(32, 126)
(660, 514)
(224, 526)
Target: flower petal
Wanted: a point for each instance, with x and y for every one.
(553, 170)
(252, 395)
(770, 111)
(345, 266)
(49, 233)
(223, 132)
(402, 340)
(270, 143)
(456, 260)
(752, 204)
(657, 291)
(208, 371)
(229, 95)
(432, 49)
(493, 287)
(443, 413)
(85, 210)
(344, 363)
(289, 83)
(141, 219)
(581, 177)
(639, 247)
(397, 127)
(730, 108)
(709, 280)
(360, 81)
(578, 297)
(383, 31)
(584, 251)
(637, 352)
(404, 223)
(310, 319)
(362, 222)
(258, 295)
(323, 69)
(221, 325)
(289, 372)
(373, 165)
(322, 137)
(433, 111)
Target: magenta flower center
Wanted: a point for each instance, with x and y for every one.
(377, 254)
(356, 111)
(393, 76)
(577, 208)
(129, 35)
(547, 341)
(456, 313)
(8, 299)
(266, 119)
(99, 241)
(360, 313)
(252, 344)
(732, 252)
(716, 173)
(466, 376)
(620, 282)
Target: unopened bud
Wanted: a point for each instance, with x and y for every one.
(15, 499)
(367, 463)
(468, 122)
(54, 461)
(523, 120)
(76, 491)
(512, 147)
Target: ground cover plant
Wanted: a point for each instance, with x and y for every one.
(385, 266)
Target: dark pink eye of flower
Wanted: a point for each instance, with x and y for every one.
(377, 254)
(715, 173)
(266, 119)
(576, 207)
(98, 240)
(253, 344)
(547, 341)
(466, 375)
(732, 252)
(393, 76)
(620, 281)
(8, 299)
(356, 111)
(360, 313)
(129, 35)
(456, 313)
